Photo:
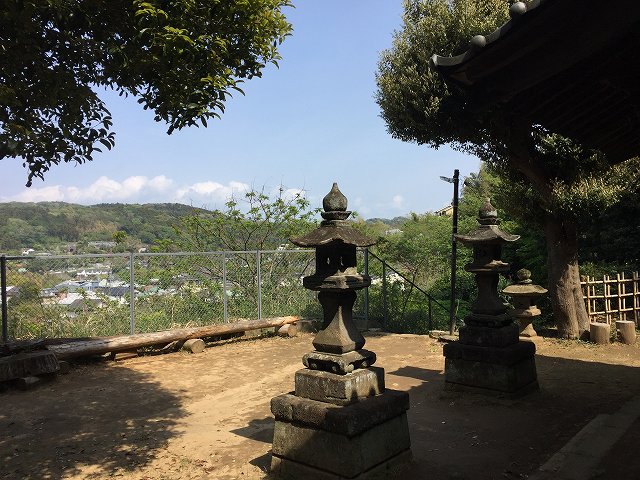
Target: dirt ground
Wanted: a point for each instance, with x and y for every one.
(206, 416)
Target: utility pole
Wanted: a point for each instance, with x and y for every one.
(456, 181)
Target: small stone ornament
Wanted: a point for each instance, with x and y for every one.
(524, 295)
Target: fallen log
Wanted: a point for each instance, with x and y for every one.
(99, 346)
(11, 348)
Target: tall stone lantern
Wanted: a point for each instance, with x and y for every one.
(340, 422)
(489, 356)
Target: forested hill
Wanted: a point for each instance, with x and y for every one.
(51, 226)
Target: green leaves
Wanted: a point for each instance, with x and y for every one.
(256, 221)
(180, 58)
(415, 102)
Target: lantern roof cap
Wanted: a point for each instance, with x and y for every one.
(488, 231)
(524, 286)
(334, 228)
(487, 234)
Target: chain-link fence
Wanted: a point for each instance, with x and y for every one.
(114, 294)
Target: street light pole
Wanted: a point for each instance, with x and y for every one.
(452, 315)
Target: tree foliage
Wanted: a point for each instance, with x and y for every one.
(257, 221)
(550, 180)
(51, 226)
(180, 58)
(421, 250)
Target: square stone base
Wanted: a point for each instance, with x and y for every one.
(492, 370)
(339, 389)
(316, 440)
(391, 468)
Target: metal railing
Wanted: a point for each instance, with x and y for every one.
(116, 294)
(397, 303)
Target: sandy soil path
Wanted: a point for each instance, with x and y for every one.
(207, 416)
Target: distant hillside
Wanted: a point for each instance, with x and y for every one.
(392, 222)
(48, 226)
(53, 226)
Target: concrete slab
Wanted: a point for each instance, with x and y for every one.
(579, 458)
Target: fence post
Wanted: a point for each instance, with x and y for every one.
(636, 299)
(366, 290)
(259, 274)
(132, 296)
(225, 306)
(3, 287)
(385, 314)
(430, 314)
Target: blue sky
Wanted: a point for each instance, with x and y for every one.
(312, 122)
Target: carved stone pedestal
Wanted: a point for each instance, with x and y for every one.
(314, 440)
(339, 389)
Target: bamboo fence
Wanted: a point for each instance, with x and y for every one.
(612, 298)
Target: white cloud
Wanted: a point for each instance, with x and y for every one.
(142, 189)
(210, 191)
(398, 201)
(44, 194)
(104, 189)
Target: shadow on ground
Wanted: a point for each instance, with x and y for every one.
(260, 430)
(470, 436)
(106, 425)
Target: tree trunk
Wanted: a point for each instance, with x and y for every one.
(101, 345)
(564, 277)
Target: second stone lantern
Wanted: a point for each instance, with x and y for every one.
(489, 356)
(340, 422)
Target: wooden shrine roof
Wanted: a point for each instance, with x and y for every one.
(572, 66)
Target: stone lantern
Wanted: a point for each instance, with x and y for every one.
(524, 294)
(489, 357)
(340, 422)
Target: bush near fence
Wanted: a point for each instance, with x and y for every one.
(91, 295)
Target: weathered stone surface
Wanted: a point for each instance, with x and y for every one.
(394, 467)
(503, 356)
(488, 336)
(481, 320)
(339, 363)
(28, 364)
(321, 282)
(523, 296)
(526, 327)
(349, 421)
(492, 376)
(339, 389)
(334, 230)
(340, 334)
(338, 454)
